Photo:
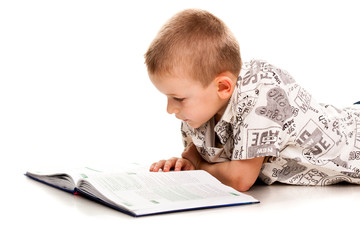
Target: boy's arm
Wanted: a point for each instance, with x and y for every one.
(239, 174)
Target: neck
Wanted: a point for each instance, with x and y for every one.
(217, 118)
(221, 112)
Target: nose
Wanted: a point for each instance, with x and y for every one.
(172, 107)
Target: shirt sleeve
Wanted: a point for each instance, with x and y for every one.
(268, 115)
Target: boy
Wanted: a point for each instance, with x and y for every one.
(244, 122)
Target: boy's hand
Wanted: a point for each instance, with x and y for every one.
(175, 163)
(190, 160)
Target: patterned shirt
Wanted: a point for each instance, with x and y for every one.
(270, 115)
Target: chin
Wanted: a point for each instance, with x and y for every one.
(194, 125)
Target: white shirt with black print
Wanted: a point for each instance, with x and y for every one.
(270, 115)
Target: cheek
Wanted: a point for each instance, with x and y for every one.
(197, 109)
(189, 109)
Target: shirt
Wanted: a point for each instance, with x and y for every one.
(270, 115)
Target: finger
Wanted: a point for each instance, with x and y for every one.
(169, 164)
(151, 169)
(179, 164)
(159, 165)
(189, 167)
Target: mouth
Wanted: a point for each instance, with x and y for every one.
(180, 118)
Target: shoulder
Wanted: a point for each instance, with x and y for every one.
(260, 79)
(257, 77)
(256, 72)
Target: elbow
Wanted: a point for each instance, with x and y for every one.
(242, 186)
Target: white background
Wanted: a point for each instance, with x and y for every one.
(74, 91)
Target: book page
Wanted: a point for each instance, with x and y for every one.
(150, 192)
(66, 178)
(62, 178)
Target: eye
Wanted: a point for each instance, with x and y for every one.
(178, 99)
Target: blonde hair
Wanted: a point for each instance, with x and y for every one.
(196, 42)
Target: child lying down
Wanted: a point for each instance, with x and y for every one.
(241, 121)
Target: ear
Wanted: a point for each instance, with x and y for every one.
(225, 85)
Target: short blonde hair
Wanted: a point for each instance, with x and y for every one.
(198, 43)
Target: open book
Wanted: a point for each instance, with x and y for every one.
(146, 193)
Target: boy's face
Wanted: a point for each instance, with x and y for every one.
(189, 100)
